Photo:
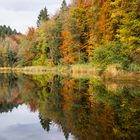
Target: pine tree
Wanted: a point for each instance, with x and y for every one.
(63, 6)
(6, 31)
(43, 16)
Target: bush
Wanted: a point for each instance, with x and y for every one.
(134, 67)
(112, 53)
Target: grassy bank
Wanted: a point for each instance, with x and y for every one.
(111, 73)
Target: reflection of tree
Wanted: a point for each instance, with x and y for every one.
(65, 132)
(9, 92)
(12, 80)
(6, 107)
(84, 108)
(87, 109)
(45, 123)
(127, 113)
(124, 104)
(9, 80)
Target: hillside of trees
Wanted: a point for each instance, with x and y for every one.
(9, 46)
(6, 31)
(97, 32)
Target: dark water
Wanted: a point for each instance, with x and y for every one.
(57, 108)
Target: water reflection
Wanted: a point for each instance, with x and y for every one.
(21, 124)
(84, 108)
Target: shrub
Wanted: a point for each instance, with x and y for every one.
(112, 53)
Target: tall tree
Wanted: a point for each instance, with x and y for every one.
(63, 6)
(43, 16)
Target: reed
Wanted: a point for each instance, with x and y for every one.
(111, 73)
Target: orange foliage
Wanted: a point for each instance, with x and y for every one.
(67, 95)
(31, 33)
(103, 22)
(66, 50)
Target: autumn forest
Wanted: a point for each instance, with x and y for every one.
(96, 32)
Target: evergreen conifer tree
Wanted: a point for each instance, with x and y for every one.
(43, 16)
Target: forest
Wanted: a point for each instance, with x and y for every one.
(99, 33)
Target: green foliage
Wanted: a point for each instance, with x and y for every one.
(102, 32)
(112, 53)
(6, 31)
(12, 58)
(43, 16)
(54, 40)
(129, 30)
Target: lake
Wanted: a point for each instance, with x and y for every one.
(53, 107)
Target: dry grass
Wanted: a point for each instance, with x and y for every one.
(83, 69)
(111, 73)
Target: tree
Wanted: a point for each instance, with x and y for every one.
(86, 31)
(43, 16)
(129, 30)
(12, 58)
(6, 31)
(25, 55)
(63, 6)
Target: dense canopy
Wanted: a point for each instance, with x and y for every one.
(102, 33)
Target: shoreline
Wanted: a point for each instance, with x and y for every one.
(75, 71)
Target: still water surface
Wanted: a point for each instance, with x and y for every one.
(57, 108)
(22, 124)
